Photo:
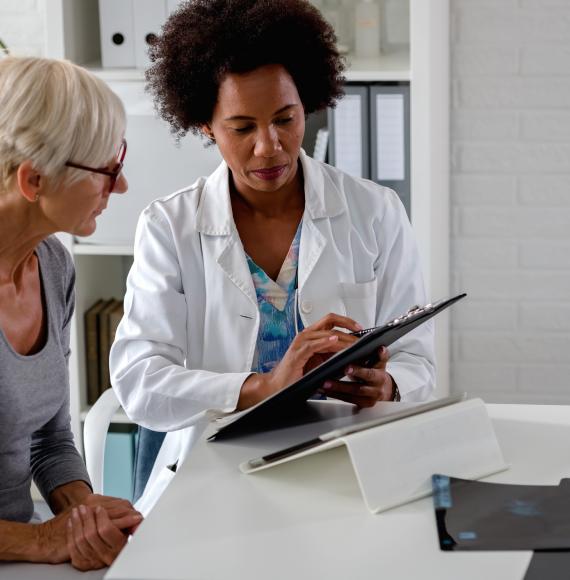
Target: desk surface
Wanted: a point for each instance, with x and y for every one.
(307, 518)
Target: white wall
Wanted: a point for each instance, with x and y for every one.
(22, 26)
(510, 195)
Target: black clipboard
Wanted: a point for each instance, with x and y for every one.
(364, 352)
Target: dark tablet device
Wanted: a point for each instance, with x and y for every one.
(364, 352)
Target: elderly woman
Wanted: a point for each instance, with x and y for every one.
(211, 320)
(61, 154)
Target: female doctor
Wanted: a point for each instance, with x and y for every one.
(247, 278)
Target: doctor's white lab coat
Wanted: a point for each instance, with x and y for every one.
(188, 337)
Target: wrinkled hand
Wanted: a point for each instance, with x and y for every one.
(51, 540)
(367, 385)
(93, 541)
(53, 535)
(120, 511)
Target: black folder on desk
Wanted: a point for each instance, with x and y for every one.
(363, 352)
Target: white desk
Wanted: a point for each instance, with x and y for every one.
(308, 520)
(24, 571)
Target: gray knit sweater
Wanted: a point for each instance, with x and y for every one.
(35, 434)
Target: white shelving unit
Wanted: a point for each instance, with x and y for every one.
(72, 32)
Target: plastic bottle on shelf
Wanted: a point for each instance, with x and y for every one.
(348, 19)
(331, 12)
(367, 29)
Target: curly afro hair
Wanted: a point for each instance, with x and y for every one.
(203, 40)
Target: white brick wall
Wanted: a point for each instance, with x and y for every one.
(510, 195)
(22, 26)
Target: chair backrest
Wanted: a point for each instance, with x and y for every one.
(95, 430)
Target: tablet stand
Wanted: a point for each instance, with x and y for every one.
(393, 463)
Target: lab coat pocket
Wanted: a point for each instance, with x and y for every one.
(360, 301)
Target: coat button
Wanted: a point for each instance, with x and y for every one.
(306, 307)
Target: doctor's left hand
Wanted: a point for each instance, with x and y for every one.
(368, 385)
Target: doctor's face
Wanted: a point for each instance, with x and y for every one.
(258, 124)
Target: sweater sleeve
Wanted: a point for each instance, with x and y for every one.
(54, 458)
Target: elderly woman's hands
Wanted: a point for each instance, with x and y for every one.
(90, 535)
(368, 385)
(93, 540)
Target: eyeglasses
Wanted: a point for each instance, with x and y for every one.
(112, 173)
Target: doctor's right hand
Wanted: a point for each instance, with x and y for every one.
(309, 348)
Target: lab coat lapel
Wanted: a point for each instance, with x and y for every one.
(312, 246)
(233, 262)
(216, 224)
(322, 202)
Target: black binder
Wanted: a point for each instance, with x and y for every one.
(364, 352)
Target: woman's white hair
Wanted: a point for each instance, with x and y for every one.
(53, 111)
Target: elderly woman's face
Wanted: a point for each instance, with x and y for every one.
(258, 124)
(75, 208)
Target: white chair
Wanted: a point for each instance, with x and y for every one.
(95, 430)
(179, 444)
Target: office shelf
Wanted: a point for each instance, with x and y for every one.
(83, 249)
(422, 61)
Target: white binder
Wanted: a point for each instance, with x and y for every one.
(149, 16)
(349, 132)
(117, 33)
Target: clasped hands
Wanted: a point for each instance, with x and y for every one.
(313, 346)
(90, 534)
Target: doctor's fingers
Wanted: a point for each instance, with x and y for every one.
(302, 351)
(383, 357)
(375, 377)
(331, 320)
(311, 334)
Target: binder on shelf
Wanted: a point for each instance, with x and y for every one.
(117, 33)
(92, 350)
(390, 142)
(349, 132)
(115, 318)
(148, 17)
(370, 135)
(105, 344)
(321, 143)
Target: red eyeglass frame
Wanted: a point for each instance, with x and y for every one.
(112, 173)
